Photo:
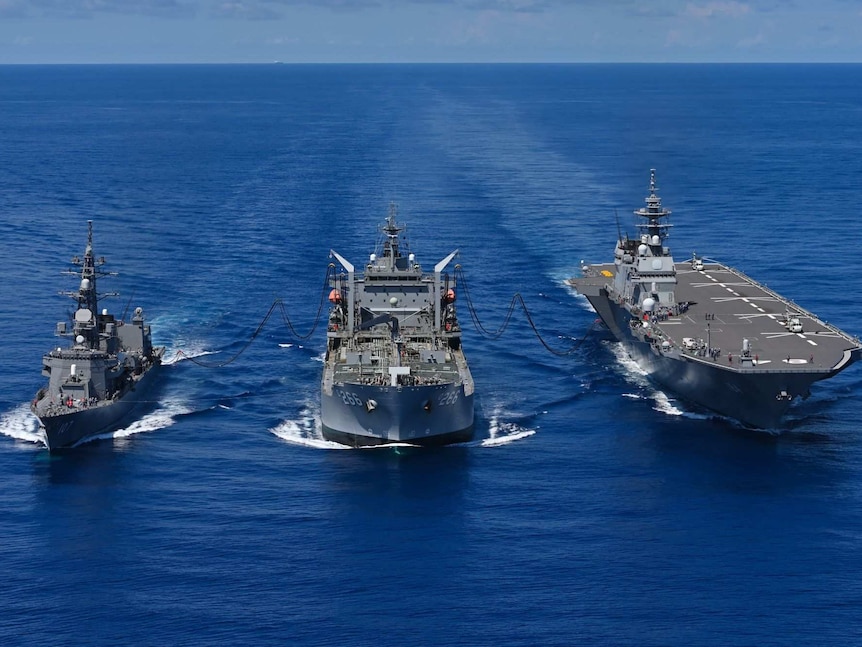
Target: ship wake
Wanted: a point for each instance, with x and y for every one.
(662, 402)
(177, 355)
(165, 415)
(21, 424)
(502, 432)
(305, 430)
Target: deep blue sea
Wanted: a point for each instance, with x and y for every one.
(592, 508)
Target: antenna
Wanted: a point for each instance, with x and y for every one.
(128, 303)
(619, 233)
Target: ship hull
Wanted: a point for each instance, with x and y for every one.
(756, 400)
(68, 429)
(418, 415)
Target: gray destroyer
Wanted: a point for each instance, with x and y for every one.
(394, 370)
(95, 384)
(708, 332)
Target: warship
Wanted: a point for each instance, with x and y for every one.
(708, 332)
(394, 370)
(96, 383)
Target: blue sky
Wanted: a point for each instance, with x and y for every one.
(249, 31)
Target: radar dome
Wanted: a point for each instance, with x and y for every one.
(642, 250)
(648, 304)
(393, 301)
(656, 240)
(85, 284)
(83, 315)
(79, 339)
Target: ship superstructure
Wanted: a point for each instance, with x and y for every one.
(707, 331)
(394, 370)
(95, 383)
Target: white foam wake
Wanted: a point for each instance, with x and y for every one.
(305, 431)
(502, 432)
(176, 355)
(21, 424)
(510, 433)
(163, 416)
(630, 368)
(634, 373)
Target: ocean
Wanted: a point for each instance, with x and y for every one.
(592, 507)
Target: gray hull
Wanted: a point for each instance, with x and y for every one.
(68, 429)
(418, 415)
(748, 398)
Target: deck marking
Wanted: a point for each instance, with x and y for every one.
(811, 341)
(723, 299)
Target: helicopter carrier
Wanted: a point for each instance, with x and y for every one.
(708, 332)
(95, 384)
(394, 370)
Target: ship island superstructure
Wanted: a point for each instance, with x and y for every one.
(707, 331)
(97, 382)
(394, 370)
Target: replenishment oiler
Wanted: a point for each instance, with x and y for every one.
(708, 332)
(97, 383)
(394, 370)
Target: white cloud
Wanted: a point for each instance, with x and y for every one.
(729, 8)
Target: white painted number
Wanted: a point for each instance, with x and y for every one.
(449, 398)
(350, 399)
